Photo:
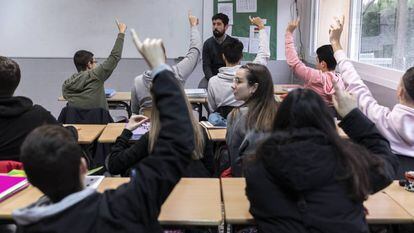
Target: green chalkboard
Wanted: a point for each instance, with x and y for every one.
(266, 9)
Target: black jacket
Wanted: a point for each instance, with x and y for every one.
(124, 157)
(296, 188)
(135, 206)
(212, 56)
(18, 117)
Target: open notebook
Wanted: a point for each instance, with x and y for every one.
(9, 185)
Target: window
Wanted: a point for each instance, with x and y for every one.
(386, 32)
(381, 32)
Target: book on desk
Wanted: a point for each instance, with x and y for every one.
(109, 92)
(197, 92)
(10, 185)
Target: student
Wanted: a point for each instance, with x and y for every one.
(220, 95)
(305, 178)
(320, 79)
(124, 156)
(18, 115)
(53, 164)
(85, 89)
(140, 97)
(253, 85)
(397, 125)
(212, 50)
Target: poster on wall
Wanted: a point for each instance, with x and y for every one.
(245, 6)
(227, 9)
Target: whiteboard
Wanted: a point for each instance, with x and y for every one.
(58, 28)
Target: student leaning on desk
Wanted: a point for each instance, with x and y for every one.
(305, 178)
(53, 164)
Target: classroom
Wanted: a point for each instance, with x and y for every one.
(201, 116)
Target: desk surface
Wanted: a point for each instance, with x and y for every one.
(87, 133)
(403, 197)
(382, 209)
(192, 202)
(281, 89)
(111, 132)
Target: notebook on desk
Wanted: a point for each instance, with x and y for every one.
(109, 92)
(9, 185)
(141, 130)
(208, 125)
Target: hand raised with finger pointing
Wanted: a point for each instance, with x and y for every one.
(152, 50)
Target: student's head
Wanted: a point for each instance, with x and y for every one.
(325, 60)
(406, 88)
(9, 76)
(253, 84)
(84, 60)
(220, 24)
(52, 161)
(304, 108)
(232, 52)
(156, 125)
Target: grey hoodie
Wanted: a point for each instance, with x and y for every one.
(140, 95)
(219, 90)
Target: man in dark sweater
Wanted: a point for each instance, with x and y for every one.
(212, 51)
(18, 115)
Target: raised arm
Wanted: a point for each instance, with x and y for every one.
(186, 66)
(158, 173)
(363, 131)
(103, 71)
(366, 102)
(302, 71)
(263, 55)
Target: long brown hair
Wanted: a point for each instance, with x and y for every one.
(262, 106)
(155, 129)
(305, 108)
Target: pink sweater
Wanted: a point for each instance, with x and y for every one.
(316, 80)
(397, 125)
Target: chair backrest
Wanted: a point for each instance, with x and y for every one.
(73, 115)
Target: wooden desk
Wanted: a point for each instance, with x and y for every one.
(281, 89)
(382, 209)
(217, 135)
(111, 132)
(87, 133)
(192, 202)
(404, 198)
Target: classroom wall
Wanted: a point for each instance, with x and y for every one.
(42, 77)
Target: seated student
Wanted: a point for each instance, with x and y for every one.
(305, 178)
(320, 79)
(18, 115)
(253, 85)
(140, 96)
(220, 94)
(397, 125)
(124, 156)
(53, 164)
(85, 89)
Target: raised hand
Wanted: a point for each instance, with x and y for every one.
(292, 25)
(257, 21)
(136, 121)
(344, 102)
(152, 50)
(335, 32)
(192, 19)
(121, 26)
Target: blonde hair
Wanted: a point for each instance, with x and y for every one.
(198, 134)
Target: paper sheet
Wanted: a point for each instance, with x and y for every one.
(229, 30)
(254, 38)
(227, 9)
(243, 6)
(245, 42)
